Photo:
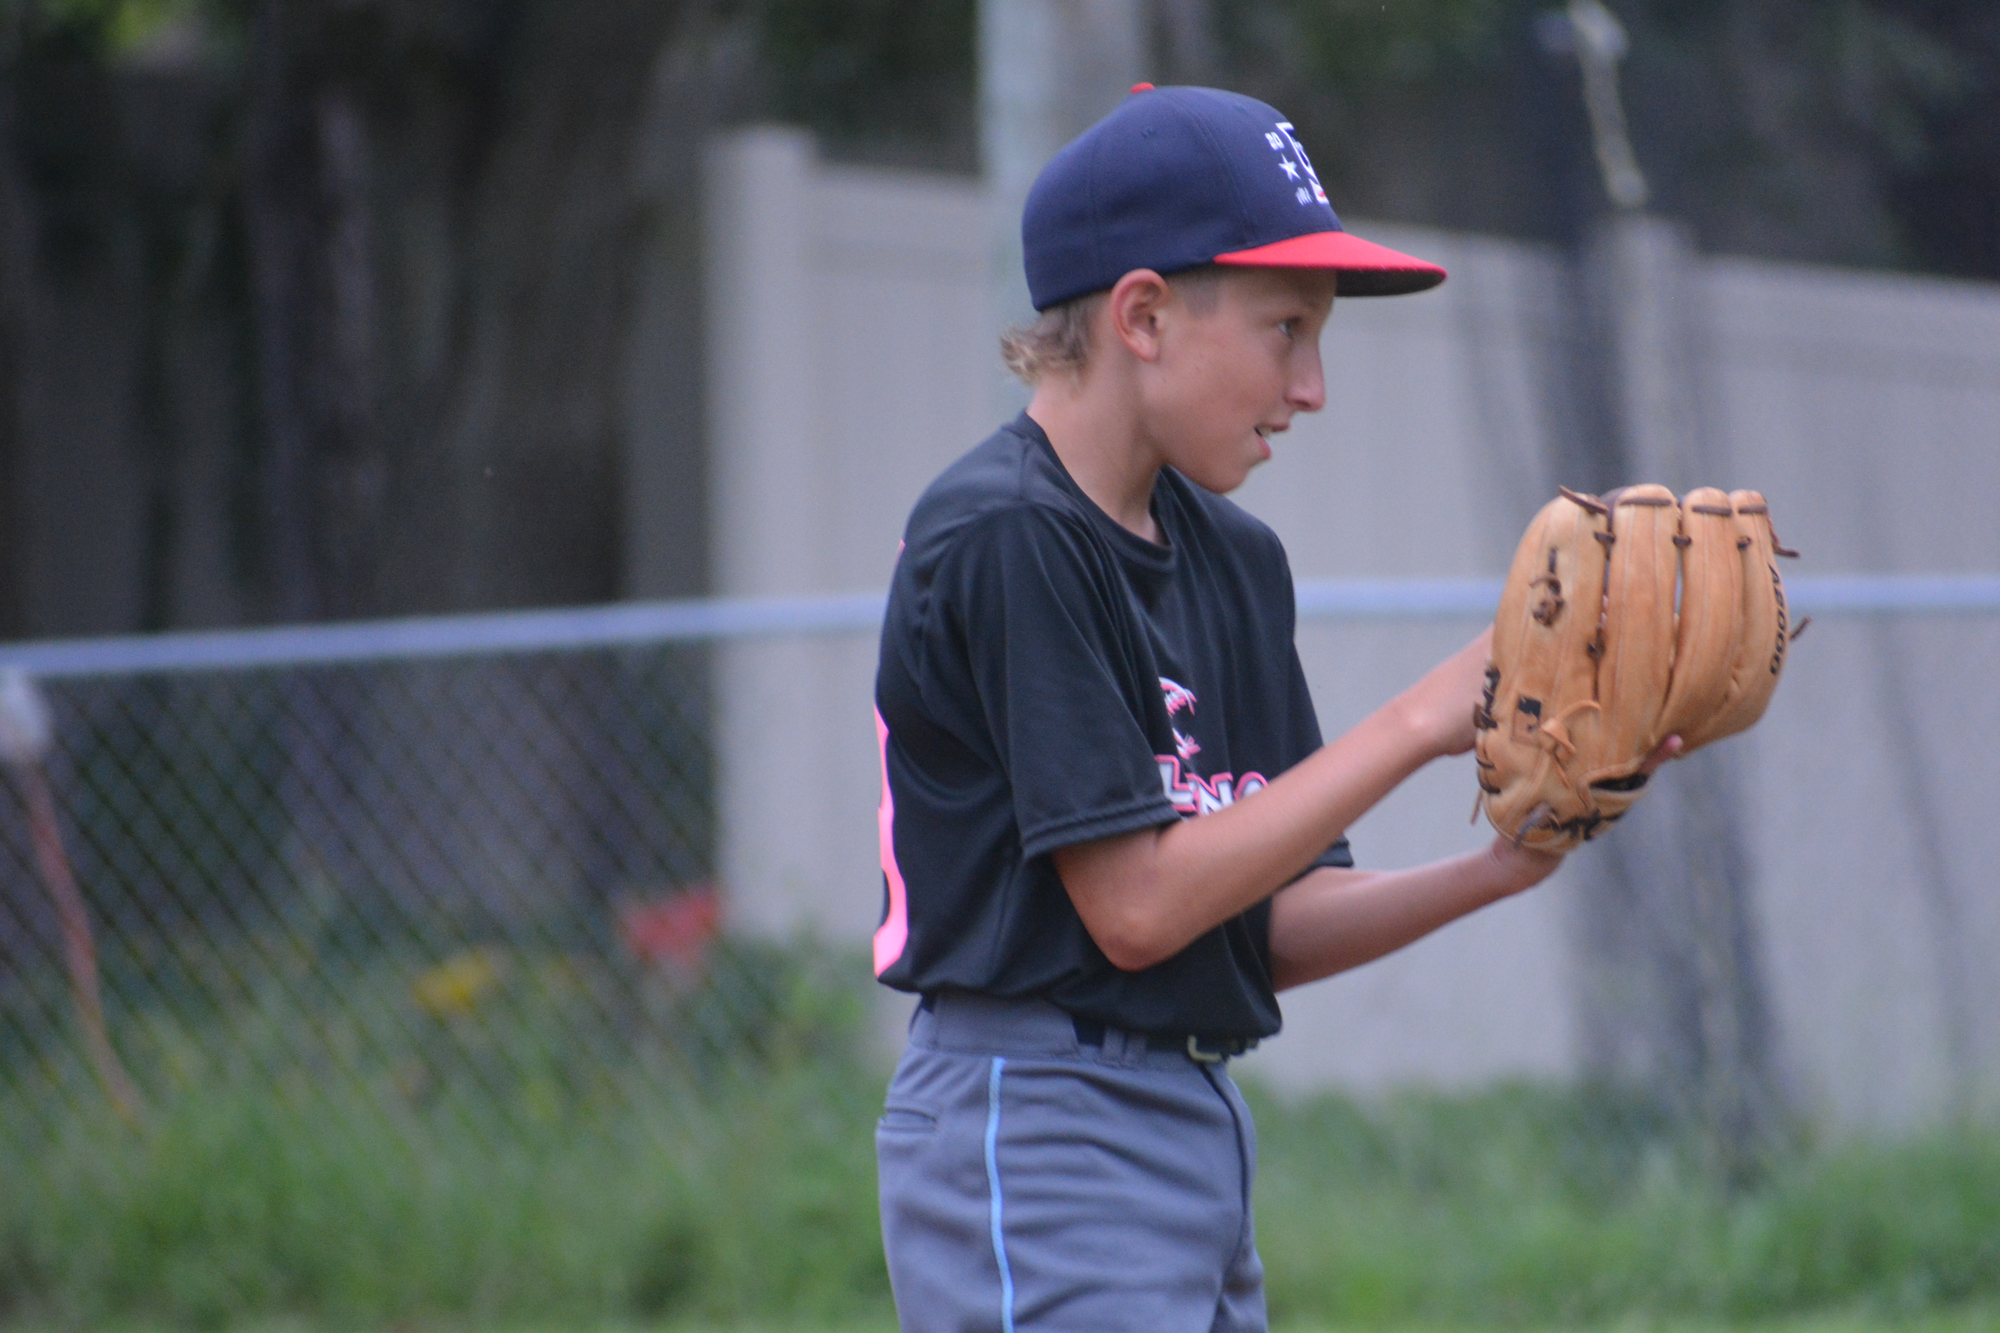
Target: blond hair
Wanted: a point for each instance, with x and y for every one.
(1058, 342)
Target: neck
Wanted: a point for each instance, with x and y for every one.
(1093, 427)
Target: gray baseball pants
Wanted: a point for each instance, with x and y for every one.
(1032, 1182)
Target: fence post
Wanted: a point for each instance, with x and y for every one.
(763, 433)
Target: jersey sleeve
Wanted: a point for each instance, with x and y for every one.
(1060, 672)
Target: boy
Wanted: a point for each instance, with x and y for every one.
(1110, 833)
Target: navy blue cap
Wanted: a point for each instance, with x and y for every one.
(1180, 177)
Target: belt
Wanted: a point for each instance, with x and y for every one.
(1203, 1050)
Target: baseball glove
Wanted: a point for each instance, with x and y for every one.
(1625, 620)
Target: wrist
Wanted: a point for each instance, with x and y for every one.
(1418, 728)
(1516, 869)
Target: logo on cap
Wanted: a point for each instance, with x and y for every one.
(1285, 143)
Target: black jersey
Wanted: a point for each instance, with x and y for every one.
(1048, 678)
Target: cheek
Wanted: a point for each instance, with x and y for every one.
(1205, 390)
(1236, 375)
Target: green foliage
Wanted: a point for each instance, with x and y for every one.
(124, 29)
(1529, 1203)
(518, 1137)
(239, 1205)
(394, 1165)
(879, 73)
(1909, 1227)
(755, 1201)
(1790, 129)
(1360, 43)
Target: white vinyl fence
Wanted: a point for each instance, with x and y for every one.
(851, 359)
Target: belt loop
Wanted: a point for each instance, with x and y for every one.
(1131, 1048)
(1202, 1056)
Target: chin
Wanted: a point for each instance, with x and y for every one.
(1219, 482)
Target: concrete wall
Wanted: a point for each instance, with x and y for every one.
(850, 351)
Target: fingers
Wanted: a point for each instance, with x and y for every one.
(1669, 748)
(1447, 694)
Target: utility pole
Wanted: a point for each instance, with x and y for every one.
(1048, 70)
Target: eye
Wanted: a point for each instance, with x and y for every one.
(1289, 327)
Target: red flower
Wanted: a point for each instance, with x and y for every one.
(674, 930)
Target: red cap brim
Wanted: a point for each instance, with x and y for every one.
(1365, 268)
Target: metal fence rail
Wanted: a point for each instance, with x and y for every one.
(460, 862)
(705, 621)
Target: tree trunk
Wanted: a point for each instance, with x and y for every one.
(534, 420)
(16, 259)
(446, 255)
(307, 207)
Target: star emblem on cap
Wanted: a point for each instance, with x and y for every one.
(1292, 160)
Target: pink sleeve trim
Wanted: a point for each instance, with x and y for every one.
(894, 931)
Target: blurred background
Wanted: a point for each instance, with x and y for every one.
(490, 940)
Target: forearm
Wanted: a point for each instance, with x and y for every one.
(1333, 920)
(1147, 895)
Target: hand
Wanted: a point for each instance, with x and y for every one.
(1440, 705)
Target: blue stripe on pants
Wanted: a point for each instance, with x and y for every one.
(993, 1184)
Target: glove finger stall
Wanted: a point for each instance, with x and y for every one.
(1708, 635)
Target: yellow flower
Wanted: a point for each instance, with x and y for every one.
(455, 986)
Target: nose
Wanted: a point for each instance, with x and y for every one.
(1307, 390)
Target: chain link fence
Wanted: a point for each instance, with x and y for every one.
(462, 869)
(477, 886)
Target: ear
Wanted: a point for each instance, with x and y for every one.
(1134, 307)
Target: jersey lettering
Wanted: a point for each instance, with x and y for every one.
(1190, 792)
(1180, 699)
(1193, 794)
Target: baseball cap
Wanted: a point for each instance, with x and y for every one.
(1179, 177)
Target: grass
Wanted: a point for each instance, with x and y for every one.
(1527, 1204)
(1973, 1319)
(556, 1144)
(740, 1193)
(1980, 1319)
(239, 1205)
